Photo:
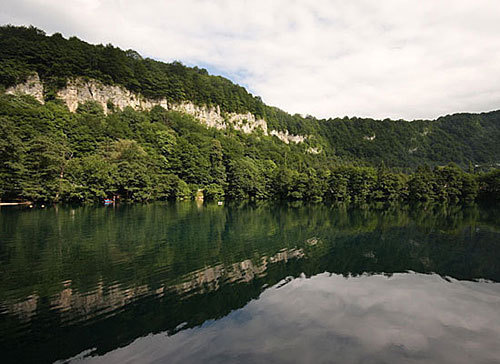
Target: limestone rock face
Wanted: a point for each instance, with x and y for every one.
(80, 90)
(286, 137)
(210, 116)
(247, 123)
(32, 87)
(312, 150)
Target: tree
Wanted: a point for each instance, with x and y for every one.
(45, 162)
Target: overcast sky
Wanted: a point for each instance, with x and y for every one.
(393, 58)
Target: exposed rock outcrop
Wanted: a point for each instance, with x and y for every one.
(286, 137)
(213, 117)
(32, 87)
(80, 90)
(412, 150)
(314, 150)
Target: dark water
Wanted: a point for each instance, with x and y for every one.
(182, 283)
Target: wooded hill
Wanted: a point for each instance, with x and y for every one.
(50, 154)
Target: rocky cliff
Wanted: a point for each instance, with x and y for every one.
(32, 87)
(79, 90)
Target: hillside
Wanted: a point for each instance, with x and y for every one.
(101, 121)
(461, 138)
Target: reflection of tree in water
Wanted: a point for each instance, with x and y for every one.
(141, 269)
(79, 306)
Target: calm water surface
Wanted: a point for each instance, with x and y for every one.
(183, 283)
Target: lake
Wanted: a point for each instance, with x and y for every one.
(266, 283)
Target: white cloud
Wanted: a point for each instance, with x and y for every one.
(397, 58)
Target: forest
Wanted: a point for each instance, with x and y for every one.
(48, 154)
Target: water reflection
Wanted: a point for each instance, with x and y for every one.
(79, 306)
(409, 318)
(211, 278)
(74, 280)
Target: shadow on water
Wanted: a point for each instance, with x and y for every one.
(86, 278)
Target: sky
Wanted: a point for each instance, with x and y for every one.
(396, 59)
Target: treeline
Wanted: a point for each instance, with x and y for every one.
(49, 154)
(370, 184)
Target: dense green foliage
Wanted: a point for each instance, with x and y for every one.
(50, 154)
(460, 138)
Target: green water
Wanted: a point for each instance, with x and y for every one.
(268, 283)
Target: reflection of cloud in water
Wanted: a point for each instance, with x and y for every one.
(403, 318)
